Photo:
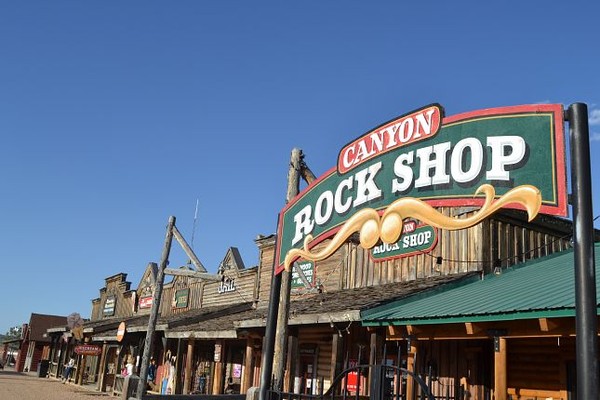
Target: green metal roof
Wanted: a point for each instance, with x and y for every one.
(544, 287)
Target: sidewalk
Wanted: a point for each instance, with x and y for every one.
(27, 386)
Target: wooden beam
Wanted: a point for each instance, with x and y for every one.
(192, 274)
(188, 250)
(412, 330)
(395, 332)
(472, 328)
(546, 325)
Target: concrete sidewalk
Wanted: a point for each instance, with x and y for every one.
(27, 386)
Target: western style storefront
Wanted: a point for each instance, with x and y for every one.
(208, 342)
(508, 335)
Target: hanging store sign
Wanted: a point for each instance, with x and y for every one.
(146, 302)
(308, 268)
(181, 297)
(88, 350)
(414, 240)
(109, 306)
(502, 157)
(121, 331)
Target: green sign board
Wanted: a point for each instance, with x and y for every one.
(181, 298)
(421, 240)
(308, 268)
(439, 161)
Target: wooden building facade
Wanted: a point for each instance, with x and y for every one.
(209, 333)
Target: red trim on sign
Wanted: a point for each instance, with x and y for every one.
(558, 208)
(436, 121)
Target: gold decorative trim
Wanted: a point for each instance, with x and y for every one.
(371, 227)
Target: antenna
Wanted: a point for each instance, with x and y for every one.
(194, 224)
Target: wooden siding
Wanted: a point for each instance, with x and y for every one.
(538, 367)
(195, 286)
(118, 287)
(321, 338)
(244, 290)
(266, 257)
(456, 364)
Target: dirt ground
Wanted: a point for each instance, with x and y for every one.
(27, 386)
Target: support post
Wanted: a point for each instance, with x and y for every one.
(267, 357)
(187, 380)
(156, 296)
(272, 332)
(411, 359)
(500, 381)
(585, 269)
(248, 365)
(286, 281)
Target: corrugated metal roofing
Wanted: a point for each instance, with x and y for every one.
(539, 288)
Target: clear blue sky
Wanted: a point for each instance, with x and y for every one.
(116, 115)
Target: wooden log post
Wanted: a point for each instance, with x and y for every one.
(177, 380)
(410, 365)
(500, 381)
(219, 368)
(101, 369)
(156, 297)
(187, 380)
(81, 370)
(281, 334)
(375, 345)
(337, 347)
(247, 371)
(292, 360)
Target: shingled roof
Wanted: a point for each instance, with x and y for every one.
(345, 305)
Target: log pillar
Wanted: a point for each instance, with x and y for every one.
(292, 363)
(500, 381)
(247, 370)
(189, 360)
(410, 366)
(218, 372)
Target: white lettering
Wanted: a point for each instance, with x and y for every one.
(500, 160)
(438, 164)
(366, 189)
(320, 216)
(348, 152)
(403, 171)
(304, 224)
(340, 207)
(458, 159)
(424, 123)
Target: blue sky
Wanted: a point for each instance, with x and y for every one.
(116, 115)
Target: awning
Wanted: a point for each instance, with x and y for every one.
(540, 288)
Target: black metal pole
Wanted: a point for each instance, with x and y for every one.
(266, 370)
(585, 269)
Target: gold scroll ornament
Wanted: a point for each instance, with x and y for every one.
(371, 227)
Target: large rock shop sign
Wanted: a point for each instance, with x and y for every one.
(500, 157)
